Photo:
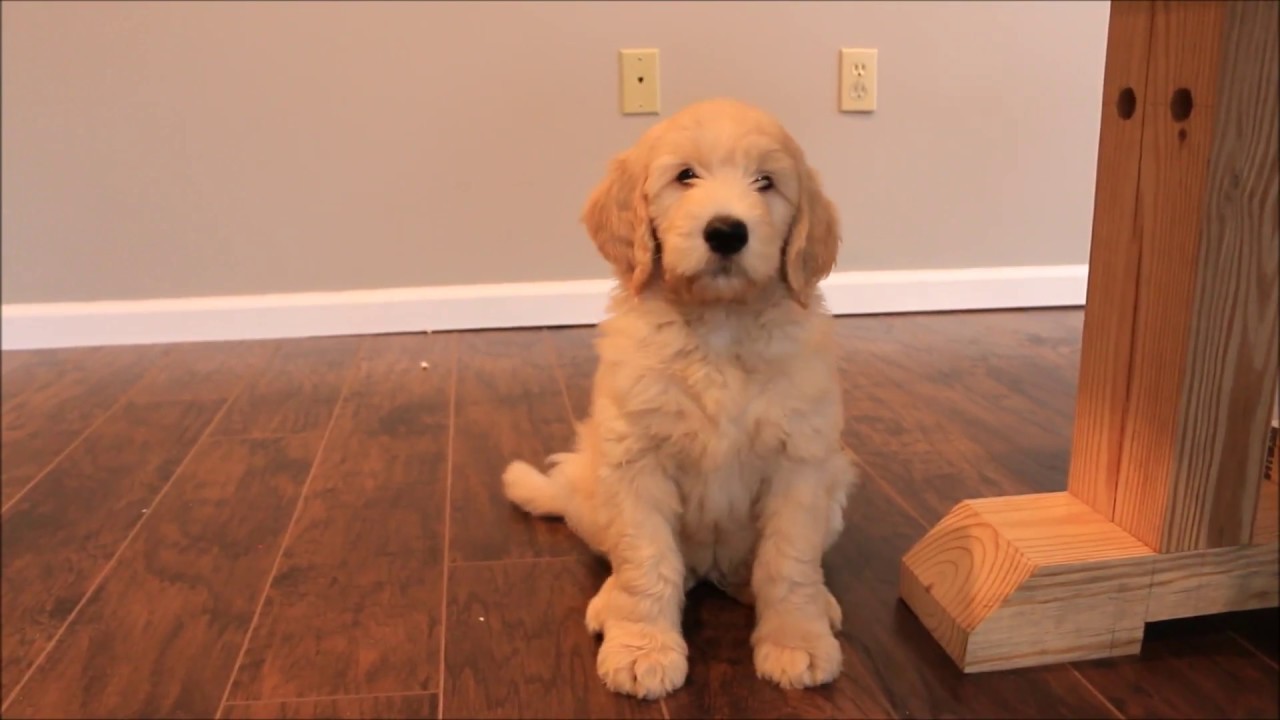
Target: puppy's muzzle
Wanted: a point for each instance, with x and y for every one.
(725, 235)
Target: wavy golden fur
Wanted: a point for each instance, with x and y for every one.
(712, 450)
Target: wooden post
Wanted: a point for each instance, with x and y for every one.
(1166, 512)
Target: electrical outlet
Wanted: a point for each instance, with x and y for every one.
(638, 81)
(857, 80)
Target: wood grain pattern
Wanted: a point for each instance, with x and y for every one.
(59, 537)
(1035, 579)
(197, 371)
(722, 680)
(1171, 673)
(1128, 45)
(22, 370)
(527, 653)
(373, 517)
(1114, 256)
(1186, 42)
(922, 403)
(1230, 374)
(1216, 580)
(893, 369)
(1029, 357)
(940, 407)
(969, 388)
(1065, 613)
(42, 422)
(1175, 160)
(209, 543)
(417, 706)
(296, 392)
(509, 406)
(915, 675)
(575, 355)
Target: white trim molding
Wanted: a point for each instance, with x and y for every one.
(504, 305)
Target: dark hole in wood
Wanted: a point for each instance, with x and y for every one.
(1182, 134)
(1127, 103)
(1180, 104)
(640, 79)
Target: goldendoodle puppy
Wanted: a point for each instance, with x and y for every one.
(712, 450)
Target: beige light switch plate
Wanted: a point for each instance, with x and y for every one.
(638, 81)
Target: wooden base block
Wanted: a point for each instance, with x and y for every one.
(1032, 580)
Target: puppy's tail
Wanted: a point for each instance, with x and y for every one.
(539, 494)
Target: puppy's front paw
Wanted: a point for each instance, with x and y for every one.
(800, 657)
(642, 661)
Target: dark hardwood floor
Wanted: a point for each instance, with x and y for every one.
(314, 529)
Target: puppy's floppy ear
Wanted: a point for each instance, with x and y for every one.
(617, 219)
(811, 248)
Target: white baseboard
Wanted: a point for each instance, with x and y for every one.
(473, 307)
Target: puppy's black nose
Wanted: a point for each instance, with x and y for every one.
(726, 235)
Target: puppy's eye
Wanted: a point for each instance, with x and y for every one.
(764, 182)
(685, 176)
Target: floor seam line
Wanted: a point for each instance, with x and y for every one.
(106, 570)
(293, 519)
(555, 366)
(1096, 692)
(448, 526)
(124, 398)
(315, 698)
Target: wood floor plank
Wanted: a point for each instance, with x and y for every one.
(909, 666)
(510, 406)
(1024, 364)
(161, 634)
(979, 371)
(937, 426)
(419, 706)
(196, 371)
(722, 680)
(22, 370)
(40, 424)
(1188, 669)
(912, 398)
(890, 432)
(58, 537)
(11, 359)
(296, 392)
(517, 646)
(889, 657)
(575, 355)
(940, 407)
(355, 606)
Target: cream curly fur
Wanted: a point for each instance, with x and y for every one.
(712, 450)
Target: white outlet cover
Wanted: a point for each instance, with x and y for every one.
(859, 78)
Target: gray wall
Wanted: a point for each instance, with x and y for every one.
(183, 149)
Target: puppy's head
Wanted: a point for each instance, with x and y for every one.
(716, 203)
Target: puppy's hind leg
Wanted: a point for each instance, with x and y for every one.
(562, 492)
(536, 492)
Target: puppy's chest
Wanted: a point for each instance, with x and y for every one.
(732, 414)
